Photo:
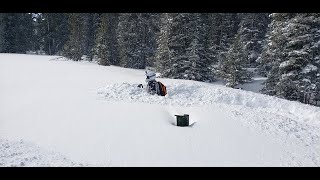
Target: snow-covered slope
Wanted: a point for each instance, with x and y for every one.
(26, 154)
(97, 116)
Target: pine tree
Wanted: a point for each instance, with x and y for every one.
(227, 31)
(297, 56)
(303, 50)
(245, 49)
(162, 52)
(187, 54)
(221, 30)
(252, 31)
(294, 56)
(315, 56)
(16, 32)
(74, 47)
(55, 32)
(81, 39)
(100, 48)
(137, 39)
(232, 68)
(152, 21)
(91, 24)
(106, 48)
(37, 40)
(273, 52)
(2, 41)
(130, 41)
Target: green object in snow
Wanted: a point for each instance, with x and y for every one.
(182, 120)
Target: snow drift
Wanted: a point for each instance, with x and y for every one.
(192, 93)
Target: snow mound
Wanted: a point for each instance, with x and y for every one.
(204, 94)
(59, 58)
(26, 154)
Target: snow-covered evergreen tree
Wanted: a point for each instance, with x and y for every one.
(162, 57)
(245, 49)
(81, 38)
(314, 66)
(273, 52)
(305, 51)
(227, 32)
(74, 48)
(188, 59)
(293, 53)
(221, 29)
(252, 31)
(137, 34)
(232, 69)
(106, 45)
(90, 24)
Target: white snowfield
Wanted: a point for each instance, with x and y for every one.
(26, 154)
(82, 114)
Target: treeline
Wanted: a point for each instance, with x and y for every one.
(194, 46)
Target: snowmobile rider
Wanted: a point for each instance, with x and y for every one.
(153, 85)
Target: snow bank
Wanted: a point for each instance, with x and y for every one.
(202, 94)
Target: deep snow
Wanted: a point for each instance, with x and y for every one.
(26, 154)
(93, 115)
